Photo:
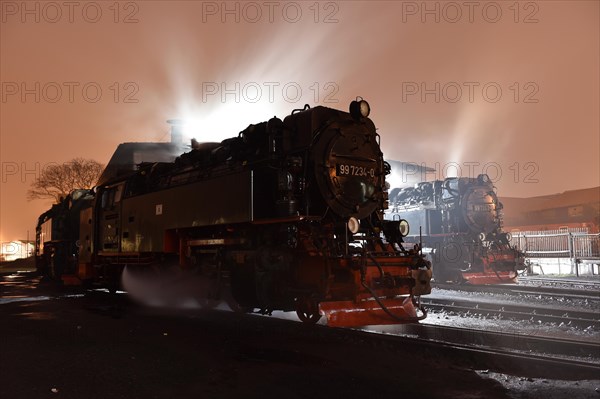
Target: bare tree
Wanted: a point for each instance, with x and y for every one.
(58, 181)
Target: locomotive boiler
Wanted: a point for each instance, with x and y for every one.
(459, 221)
(288, 215)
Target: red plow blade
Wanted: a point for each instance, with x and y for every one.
(507, 277)
(353, 314)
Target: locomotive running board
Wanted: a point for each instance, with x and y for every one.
(364, 313)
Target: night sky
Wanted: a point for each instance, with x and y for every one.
(504, 87)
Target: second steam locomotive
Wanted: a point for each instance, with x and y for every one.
(288, 215)
(459, 221)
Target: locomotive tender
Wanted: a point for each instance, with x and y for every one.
(288, 215)
(459, 221)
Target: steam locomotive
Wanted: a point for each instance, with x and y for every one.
(288, 215)
(459, 221)
(57, 235)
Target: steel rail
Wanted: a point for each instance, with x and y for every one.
(522, 289)
(575, 318)
(561, 281)
(514, 341)
(473, 351)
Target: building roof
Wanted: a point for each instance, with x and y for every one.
(561, 200)
(575, 208)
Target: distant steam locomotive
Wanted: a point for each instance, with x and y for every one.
(459, 221)
(288, 215)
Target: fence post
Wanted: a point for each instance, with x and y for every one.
(572, 255)
(520, 245)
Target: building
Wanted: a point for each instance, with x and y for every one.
(14, 250)
(570, 209)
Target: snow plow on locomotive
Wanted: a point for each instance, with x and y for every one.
(288, 215)
(459, 221)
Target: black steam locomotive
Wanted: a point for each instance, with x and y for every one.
(288, 215)
(459, 222)
(57, 236)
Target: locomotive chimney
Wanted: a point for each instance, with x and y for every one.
(176, 130)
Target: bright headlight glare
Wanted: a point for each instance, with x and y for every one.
(403, 227)
(365, 108)
(353, 225)
(359, 109)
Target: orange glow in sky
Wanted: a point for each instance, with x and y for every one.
(507, 88)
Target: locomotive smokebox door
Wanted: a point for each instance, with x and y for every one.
(479, 207)
(348, 168)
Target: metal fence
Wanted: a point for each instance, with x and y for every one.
(577, 244)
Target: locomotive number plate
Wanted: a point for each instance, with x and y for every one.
(342, 169)
(483, 207)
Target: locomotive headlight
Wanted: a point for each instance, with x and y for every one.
(365, 108)
(508, 236)
(353, 225)
(481, 236)
(403, 228)
(359, 108)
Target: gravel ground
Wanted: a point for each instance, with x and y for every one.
(554, 301)
(64, 345)
(76, 349)
(522, 327)
(529, 388)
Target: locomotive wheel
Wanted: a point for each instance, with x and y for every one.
(441, 275)
(113, 283)
(236, 307)
(309, 318)
(112, 288)
(457, 278)
(307, 310)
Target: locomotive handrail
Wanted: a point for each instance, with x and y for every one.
(577, 234)
(354, 157)
(306, 108)
(286, 219)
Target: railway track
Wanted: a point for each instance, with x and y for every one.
(554, 291)
(579, 319)
(516, 289)
(501, 340)
(563, 283)
(470, 349)
(502, 352)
